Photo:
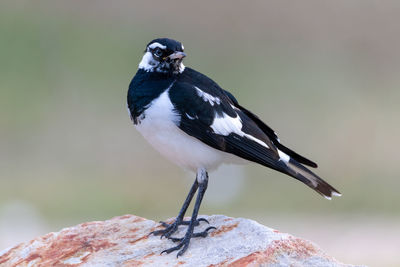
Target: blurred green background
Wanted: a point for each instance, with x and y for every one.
(324, 75)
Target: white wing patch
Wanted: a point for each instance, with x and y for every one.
(255, 140)
(283, 156)
(207, 97)
(225, 125)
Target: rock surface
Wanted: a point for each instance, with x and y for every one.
(124, 241)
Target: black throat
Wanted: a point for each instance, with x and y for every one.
(144, 88)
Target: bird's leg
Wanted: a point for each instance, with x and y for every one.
(171, 228)
(202, 178)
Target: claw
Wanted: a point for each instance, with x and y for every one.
(172, 249)
(176, 239)
(170, 229)
(210, 228)
(164, 224)
(183, 245)
(200, 234)
(167, 232)
(155, 232)
(203, 220)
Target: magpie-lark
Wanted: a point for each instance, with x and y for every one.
(198, 125)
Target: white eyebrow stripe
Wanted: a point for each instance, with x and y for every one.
(154, 45)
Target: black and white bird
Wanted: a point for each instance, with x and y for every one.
(196, 124)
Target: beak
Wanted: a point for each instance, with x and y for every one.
(177, 55)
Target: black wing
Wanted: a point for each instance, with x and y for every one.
(272, 134)
(199, 101)
(213, 116)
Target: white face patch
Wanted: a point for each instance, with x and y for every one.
(207, 97)
(154, 45)
(148, 63)
(226, 125)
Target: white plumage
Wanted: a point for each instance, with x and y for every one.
(160, 128)
(207, 97)
(225, 125)
(148, 62)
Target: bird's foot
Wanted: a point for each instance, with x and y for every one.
(184, 241)
(200, 234)
(197, 222)
(170, 229)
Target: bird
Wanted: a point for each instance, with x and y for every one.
(197, 125)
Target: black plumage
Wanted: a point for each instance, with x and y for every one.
(185, 105)
(186, 101)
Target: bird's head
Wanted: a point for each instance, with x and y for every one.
(163, 55)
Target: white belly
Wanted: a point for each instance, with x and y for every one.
(159, 127)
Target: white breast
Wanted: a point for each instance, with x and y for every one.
(159, 127)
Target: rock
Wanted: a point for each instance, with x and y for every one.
(124, 241)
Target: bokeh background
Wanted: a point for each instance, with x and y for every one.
(323, 74)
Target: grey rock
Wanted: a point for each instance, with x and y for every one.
(125, 241)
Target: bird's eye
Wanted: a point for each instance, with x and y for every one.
(158, 52)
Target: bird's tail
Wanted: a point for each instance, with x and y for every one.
(301, 173)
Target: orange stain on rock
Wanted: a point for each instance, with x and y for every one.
(32, 257)
(139, 239)
(138, 219)
(149, 255)
(65, 246)
(133, 230)
(294, 246)
(127, 216)
(132, 263)
(5, 257)
(222, 263)
(224, 229)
